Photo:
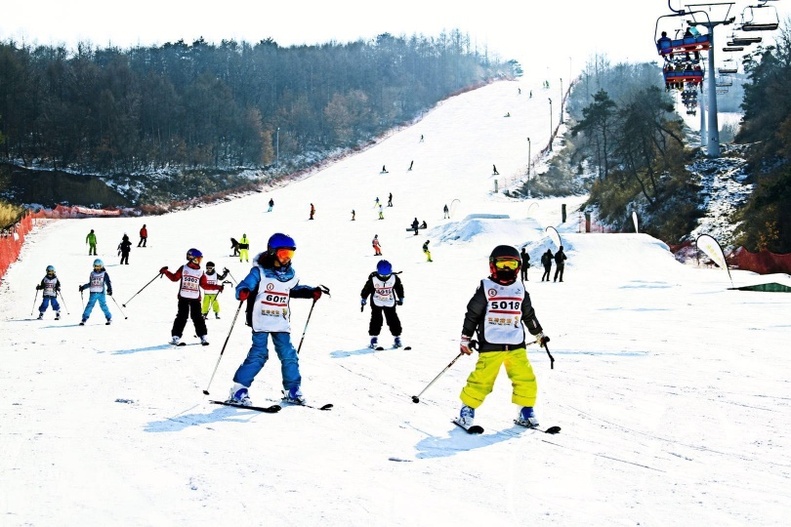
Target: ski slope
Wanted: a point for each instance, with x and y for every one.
(671, 390)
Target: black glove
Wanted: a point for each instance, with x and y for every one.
(400, 301)
(81, 288)
(39, 287)
(162, 271)
(110, 292)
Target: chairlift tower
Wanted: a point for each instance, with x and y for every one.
(696, 11)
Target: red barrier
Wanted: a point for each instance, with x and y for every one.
(12, 239)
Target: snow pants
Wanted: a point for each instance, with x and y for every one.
(481, 381)
(46, 302)
(259, 354)
(558, 272)
(375, 326)
(210, 302)
(92, 299)
(189, 307)
(244, 255)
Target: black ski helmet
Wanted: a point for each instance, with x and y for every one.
(504, 276)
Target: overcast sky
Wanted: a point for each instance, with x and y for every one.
(550, 39)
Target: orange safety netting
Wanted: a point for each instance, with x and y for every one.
(12, 239)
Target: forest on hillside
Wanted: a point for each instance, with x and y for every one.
(234, 104)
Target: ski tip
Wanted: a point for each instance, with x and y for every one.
(205, 392)
(408, 348)
(327, 406)
(552, 430)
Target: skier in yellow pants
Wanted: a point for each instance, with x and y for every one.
(210, 298)
(498, 313)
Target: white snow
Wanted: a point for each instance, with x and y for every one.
(671, 390)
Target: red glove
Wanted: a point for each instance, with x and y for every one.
(220, 289)
(243, 294)
(316, 293)
(163, 270)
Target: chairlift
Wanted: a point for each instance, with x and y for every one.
(723, 81)
(744, 41)
(728, 66)
(760, 17)
(731, 49)
(667, 46)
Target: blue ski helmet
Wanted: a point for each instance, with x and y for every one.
(50, 269)
(383, 268)
(98, 263)
(280, 241)
(192, 254)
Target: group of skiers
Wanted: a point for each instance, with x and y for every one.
(494, 323)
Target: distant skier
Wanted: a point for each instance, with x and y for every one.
(384, 170)
(123, 249)
(98, 284)
(445, 213)
(312, 211)
(377, 247)
(546, 261)
(560, 264)
(385, 292)
(498, 313)
(525, 263)
(411, 163)
(235, 247)
(50, 285)
(271, 205)
(91, 241)
(143, 236)
(426, 251)
(381, 212)
(191, 279)
(244, 248)
(390, 200)
(354, 215)
(494, 170)
(415, 226)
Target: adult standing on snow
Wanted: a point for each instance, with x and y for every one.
(192, 279)
(525, 263)
(271, 205)
(244, 249)
(560, 264)
(312, 211)
(498, 313)
(445, 212)
(50, 285)
(546, 261)
(269, 286)
(143, 236)
(415, 225)
(123, 249)
(91, 241)
(98, 284)
(386, 292)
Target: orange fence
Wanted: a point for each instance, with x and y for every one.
(12, 239)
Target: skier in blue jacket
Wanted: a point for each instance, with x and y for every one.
(267, 289)
(98, 283)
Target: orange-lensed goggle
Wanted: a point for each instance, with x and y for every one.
(284, 253)
(503, 265)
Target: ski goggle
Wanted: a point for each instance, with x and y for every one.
(209, 267)
(284, 253)
(506, 265)
(97, 267)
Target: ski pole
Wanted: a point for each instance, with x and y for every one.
(233, 323)
(416, 398)
(141, 289)
(82, 300)
(232, 278)
(119, 307)
(64, 302)
(551, 358)
(35, 299)
(324, 290)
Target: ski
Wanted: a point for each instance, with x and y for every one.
(327, 406)
(381, 348)
(263, 409)
(474, 429)
(550, 430)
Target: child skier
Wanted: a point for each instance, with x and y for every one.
(98, 283)
(386, 292)
(51, 287)
(496, 313)
(268, 287)
(210, 299)
(376, 245)
(426, 251)
(189, 304)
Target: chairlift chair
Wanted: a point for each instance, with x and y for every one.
(760, 17)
